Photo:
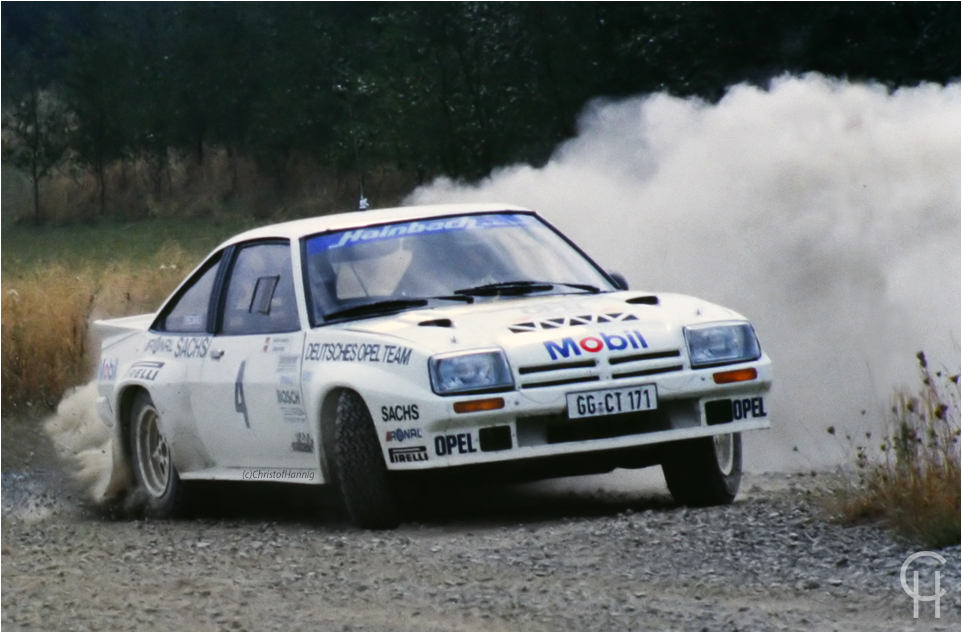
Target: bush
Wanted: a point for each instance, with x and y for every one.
(46, 343)
(224, 185)
(915, 486)
(44, 328)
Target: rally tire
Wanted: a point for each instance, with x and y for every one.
(159, 490)
(706, 471)
(362, 476)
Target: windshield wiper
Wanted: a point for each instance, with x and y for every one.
(390, 305)
(376, 307)
(520, 288)
(586, 287)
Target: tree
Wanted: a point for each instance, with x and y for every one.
(37, 123)
(429, 89)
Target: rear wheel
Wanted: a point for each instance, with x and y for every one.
(158, 483)
(706, 471)
(361, 473)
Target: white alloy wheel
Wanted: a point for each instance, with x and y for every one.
(725, 453)
(161, 491)
(151, 453)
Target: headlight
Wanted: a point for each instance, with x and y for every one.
(721, 344)
(470, 372)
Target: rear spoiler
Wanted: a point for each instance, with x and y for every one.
(108, 328)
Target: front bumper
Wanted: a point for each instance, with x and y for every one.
(533, 422)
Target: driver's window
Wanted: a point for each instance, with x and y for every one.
(260, 292)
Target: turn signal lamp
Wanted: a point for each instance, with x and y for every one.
(473, 406)
(736, 375)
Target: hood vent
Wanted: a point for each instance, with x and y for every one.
(560, 322)
(648, 300)
(437, 323)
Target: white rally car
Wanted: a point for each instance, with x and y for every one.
(368, 348)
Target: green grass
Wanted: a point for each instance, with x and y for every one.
(102, 244)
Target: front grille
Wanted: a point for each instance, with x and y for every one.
(647, 372)
(558, 429)
(538, 430)
(620, 360)
(561, 381)
(594, 370)
(537, 369)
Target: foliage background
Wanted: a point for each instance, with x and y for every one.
(140, 109)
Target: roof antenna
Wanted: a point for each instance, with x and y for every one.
(362, 204)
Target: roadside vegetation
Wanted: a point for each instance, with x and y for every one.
(120, 109)
(57, 280)
(912, 483)
(60, 276)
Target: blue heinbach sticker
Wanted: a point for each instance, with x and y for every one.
(331, 241)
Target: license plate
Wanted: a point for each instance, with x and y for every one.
(589, 404)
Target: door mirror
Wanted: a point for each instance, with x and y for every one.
(619, 280)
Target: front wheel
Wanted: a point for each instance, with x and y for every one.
(706, 471)
(158, 485)
(361, 473)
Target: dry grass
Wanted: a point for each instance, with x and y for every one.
(81, 266)
(47, 346)
(224, 184)
(44, 337)
(915, 486)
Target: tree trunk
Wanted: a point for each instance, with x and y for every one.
(35, 175)
(102, 185)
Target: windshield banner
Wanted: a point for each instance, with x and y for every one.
(331, 241)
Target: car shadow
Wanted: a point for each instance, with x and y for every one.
(432, 503)
(545, 501)
(39, 483)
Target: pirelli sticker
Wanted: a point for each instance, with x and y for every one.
(408, 455)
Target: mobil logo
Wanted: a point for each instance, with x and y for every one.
(570, 346)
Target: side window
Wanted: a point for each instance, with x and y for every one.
(190, 311)
(260, 292)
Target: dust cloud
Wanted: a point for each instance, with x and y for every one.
(826, 212)
(85, 443)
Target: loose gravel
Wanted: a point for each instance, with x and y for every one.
(511, 558)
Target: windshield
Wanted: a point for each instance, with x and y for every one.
(463, 258)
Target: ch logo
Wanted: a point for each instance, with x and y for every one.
(914, 590)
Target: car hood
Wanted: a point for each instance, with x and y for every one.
(549, 329)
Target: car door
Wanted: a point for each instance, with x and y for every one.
(248, 402)
(171, 363)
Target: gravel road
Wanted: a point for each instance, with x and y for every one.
(588, 554)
